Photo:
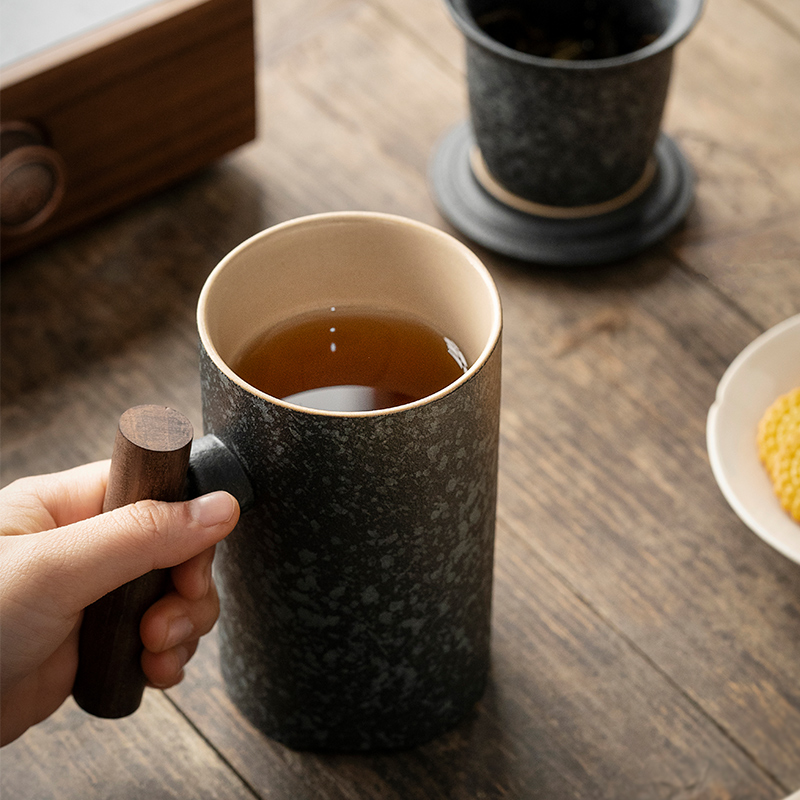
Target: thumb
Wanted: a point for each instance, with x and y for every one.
(98, 554)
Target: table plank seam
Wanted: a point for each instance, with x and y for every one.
(398, 23)
(220, 755)
(642, 654)
(786, 23)
(718, 291)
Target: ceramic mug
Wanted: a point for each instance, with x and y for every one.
(356, 590)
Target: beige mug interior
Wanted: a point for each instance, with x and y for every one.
(351, 260)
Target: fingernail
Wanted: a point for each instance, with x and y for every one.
(212, 509)
(179, 630)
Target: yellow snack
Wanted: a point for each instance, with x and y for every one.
(782, 417)
(786, 473)
(779, 449)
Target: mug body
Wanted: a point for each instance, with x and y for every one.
(570, 133)
(356, 592)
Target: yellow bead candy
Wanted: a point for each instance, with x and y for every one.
(779, 448)
(787, 474)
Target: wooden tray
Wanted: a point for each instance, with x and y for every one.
(121, 109)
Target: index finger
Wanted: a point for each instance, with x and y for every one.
(43, 502)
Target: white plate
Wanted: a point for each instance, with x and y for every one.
(766, 368)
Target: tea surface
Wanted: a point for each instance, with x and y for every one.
(591, 30)
(351, 360)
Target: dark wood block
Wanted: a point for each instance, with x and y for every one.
(117, 112)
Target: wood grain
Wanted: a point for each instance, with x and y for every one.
(785, 12)
(155, 754)
(646, 643)
(735, 110)
(656, 551)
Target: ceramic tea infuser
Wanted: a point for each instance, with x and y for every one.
(562, 162)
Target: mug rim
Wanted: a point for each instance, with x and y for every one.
(686, 15)
(492, 341)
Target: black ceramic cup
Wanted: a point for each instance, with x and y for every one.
(567, 132)
(356, 591)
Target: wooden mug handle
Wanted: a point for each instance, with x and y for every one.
(149, 462)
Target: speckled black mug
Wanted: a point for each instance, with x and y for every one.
(356, 591)
(557, 134)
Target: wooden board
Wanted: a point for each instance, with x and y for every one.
(645, 641)
(61, 759)
(735, 109)
(130, 108)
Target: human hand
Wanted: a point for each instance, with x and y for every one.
(58, 554)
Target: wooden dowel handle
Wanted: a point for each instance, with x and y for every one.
(149, 462)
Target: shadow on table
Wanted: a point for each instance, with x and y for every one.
(642, 270)
(89, 295)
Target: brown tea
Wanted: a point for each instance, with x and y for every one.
(569, 31)
(351, 360)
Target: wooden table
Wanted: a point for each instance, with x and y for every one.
(646, 643)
